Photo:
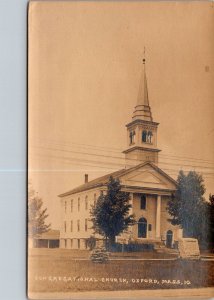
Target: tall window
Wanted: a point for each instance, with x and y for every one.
(86, 224)
(71, 226)
(95, 199)
(143, 202)
(78, 225)
(72, 204)
(144, 136)
(65, 226)
(149, 137)
(86, 202)
(142, 228)
(131, 137)
(65, 206)
(78, 204)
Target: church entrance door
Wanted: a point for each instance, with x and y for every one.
(142, 228)
(169, 236)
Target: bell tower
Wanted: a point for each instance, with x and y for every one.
(142, 130)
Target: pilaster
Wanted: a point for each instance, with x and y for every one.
(158, 216)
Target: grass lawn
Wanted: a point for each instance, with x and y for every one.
(62, 271)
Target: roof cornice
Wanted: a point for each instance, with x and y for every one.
(141, 148)
(86, 187)
(149, 190)
(82, 189)
(143, 122)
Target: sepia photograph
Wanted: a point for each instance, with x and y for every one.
(120, 149)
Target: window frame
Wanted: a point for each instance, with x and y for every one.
(72, 205)
(86, 225)
(65, 206)
(143, 197)
(78, 225)
(86, 202)
(78, 204)
(95, 199)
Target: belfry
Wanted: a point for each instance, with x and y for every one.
(142, 131)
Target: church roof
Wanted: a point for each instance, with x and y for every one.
(94, 183)
(142, 110)
(103, 180)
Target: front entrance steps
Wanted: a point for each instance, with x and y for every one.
(160, 247)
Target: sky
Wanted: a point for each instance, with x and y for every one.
(85, 61)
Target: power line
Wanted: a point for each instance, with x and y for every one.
(77, 161)
(96, 163)
(110, 149)
(116, 157)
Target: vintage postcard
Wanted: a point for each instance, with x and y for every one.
(120, 149)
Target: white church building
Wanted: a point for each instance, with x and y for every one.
(149, 186)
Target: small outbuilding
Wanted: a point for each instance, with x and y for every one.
(49, 239)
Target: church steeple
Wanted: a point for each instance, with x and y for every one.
(142, 110)
(142, 131)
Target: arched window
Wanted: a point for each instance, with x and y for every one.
(143, 202)
(142, 228)
(169, 238)
(131, 136)
(144, 136)
(149, 137)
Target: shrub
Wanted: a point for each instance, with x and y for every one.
(91, 242)
(99, 255)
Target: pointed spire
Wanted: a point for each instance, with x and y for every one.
(142, 109)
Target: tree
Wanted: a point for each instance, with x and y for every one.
(36, 214)
(110, 216)
(211, 220)
(188, 208)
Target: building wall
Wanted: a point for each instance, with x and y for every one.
(136, 156)
(149, 213)
(165, 224)
(75, 215)
(75, 209)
